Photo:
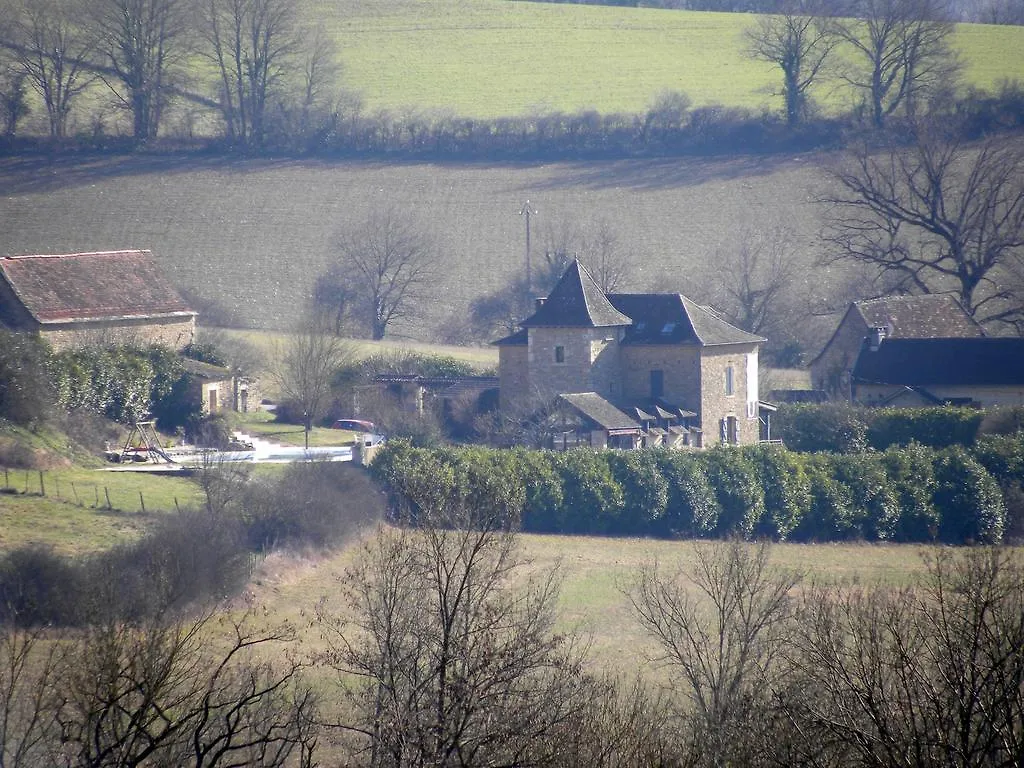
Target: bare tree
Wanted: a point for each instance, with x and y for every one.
(387, 262)
(721, 638)
(940, 216)
(305, 367)
(14, 104)
(799, 39)
(253, 44)
(54, 51)
(29, 696)
(922, 676)
(444, 663)
(902, 53)
(144, 43)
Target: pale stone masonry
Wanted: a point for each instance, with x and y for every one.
(679, 372)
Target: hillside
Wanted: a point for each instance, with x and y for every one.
(490, 58)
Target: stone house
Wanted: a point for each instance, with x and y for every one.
(980, 372)
(114, 297)
(931, 316)
(672, 368)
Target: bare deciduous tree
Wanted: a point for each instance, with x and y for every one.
(14, 104)
(799, 39)
(54, 49)
(305, 367)
(444, 662)
(940, 216)
(386, 263)
(253, 43)
(923, 676)
(902, 53)
(144, 43)
(721, 625)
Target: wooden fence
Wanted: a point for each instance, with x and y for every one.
(37, 482)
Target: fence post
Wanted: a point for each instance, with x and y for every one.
(142, 502)
(106, 492)
(75, 491)
(96, 489)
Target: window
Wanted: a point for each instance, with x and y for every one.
(657, 383)
(559, 354)
(731, 433)
(729, 384)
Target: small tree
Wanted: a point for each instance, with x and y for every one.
(306, 364)
(799, 39)
(386, 263)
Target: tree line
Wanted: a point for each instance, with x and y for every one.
(273, 79)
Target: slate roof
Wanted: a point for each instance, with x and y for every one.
(995, 361)
(576, 301)
(519, 338)
(931, 316)
(671, 318)
(92, 286)
(600, 411)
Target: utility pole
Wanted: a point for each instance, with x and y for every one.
(527, 211)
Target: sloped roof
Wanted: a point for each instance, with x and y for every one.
(671, 318)
(92, 286)
(985, 361)
(519, 338)
(919, 317)
(576, 301)
(599, 411)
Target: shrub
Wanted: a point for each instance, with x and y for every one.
(912, 478)
(968, 499)
(831, 515)
(874, 506)
(644, 492)
(692, 508)
(934, 427)
(811, 428)
(26, 396)
(591, 497)
(787, 490)
(738, 490)
(544, 497)
(39, 587)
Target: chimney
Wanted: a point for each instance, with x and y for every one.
(538, 303)
(876, 337)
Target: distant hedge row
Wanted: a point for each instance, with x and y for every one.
(912, 493)
(844, 428)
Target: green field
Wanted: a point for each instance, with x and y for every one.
(491, 58)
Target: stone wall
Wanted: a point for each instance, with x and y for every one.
(680, 366)
(591, 361)
(513, 375)
(174, 332)
(716, 404)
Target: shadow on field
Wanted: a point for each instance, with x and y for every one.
(42, 172)
(669, 173)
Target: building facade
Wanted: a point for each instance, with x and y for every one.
(676, 369)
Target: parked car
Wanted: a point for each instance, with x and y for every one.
(354, 425)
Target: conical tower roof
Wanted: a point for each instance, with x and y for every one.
(576, 301)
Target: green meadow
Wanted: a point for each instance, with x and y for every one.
(493, 58)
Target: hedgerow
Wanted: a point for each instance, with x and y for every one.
(908, 493)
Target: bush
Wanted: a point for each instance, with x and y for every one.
(591, 497)
(831, 516)
(934, 427)
(26, 395)
(912, 478)
(692, 508)
(787, 490)
(644, 492)
(874, 507)
(812, 428)
(739, 491)
(39, 587)
(968, 499)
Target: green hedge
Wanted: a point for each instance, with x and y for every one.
(906, 493)
(842, 428)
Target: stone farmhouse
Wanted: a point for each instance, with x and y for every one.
(933, 316)
(980, 372)
(81, 298)
(632, 369)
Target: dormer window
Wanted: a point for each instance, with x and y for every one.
(559, 354)
(667, 329)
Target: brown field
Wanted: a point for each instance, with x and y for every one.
(254, 235)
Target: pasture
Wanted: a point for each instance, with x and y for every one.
(494, 58)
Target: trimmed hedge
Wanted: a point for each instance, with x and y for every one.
(907, 493)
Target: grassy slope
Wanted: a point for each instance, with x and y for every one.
(488, 58)
(594, 572)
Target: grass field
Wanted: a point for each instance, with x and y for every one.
(594, 573)
(490, 58)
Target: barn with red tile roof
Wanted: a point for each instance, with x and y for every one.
(81, 298)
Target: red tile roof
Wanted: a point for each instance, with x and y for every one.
(92, 286)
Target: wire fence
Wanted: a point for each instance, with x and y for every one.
(40, 483)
